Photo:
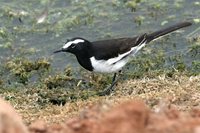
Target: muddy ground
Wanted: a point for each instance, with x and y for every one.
(165, 105)
(129, 117)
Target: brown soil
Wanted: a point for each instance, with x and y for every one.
(128, 117)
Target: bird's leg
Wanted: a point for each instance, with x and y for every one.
(114, 81)
(114, 77)
(108, 90)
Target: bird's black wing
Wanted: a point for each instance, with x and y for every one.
(106, 49)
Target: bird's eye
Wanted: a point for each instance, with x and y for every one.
(73, 45)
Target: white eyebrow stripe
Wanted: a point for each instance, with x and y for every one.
(71, 42)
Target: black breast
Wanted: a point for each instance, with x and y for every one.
(85, 62)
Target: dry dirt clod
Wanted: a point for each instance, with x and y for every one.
(130, 117)
(10, 121)
(38, 126)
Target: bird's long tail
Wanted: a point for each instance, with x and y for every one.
(162, 32)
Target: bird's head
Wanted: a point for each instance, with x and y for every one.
(74, 45)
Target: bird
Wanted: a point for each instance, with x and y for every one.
(111, 55)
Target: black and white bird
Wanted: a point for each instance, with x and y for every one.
(110, 56)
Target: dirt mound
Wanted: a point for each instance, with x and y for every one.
(10, 122)
(129, 117)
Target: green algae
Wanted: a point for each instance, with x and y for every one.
(22, 68)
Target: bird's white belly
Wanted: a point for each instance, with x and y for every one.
(111, 65)
(105, 66)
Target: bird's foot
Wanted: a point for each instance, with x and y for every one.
(105, 92)
(108, 90)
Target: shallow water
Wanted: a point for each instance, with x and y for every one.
(22, 35)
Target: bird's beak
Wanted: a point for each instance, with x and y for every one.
(57, 51)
